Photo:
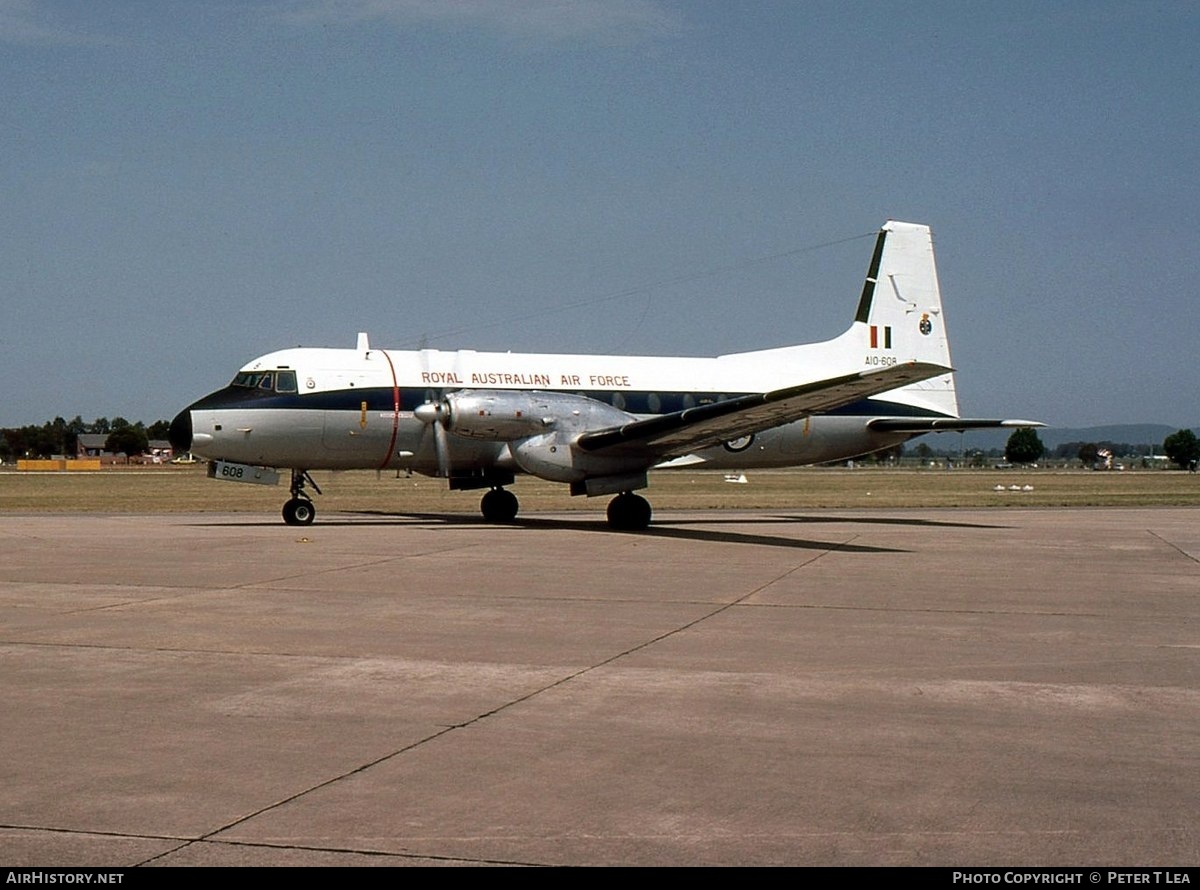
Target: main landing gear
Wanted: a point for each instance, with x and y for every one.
(628, 512)
(499, 505)
(300, 509)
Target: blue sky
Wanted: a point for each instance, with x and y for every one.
(187, 185)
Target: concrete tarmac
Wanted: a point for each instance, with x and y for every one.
(901, 687)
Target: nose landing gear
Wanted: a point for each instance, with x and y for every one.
(300, 509)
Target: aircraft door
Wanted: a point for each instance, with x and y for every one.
(360, 431)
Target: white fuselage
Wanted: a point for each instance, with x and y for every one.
(354, 408)
(596, 423)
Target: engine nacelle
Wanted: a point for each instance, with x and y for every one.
(498, 416)
(508, 415)
(553, 456)
(540, 427)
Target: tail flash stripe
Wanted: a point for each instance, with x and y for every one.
(887, 337)
(874, 337)
(868, 291)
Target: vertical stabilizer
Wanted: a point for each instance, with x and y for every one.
(900, 316)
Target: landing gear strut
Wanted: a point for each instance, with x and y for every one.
(628, 512)
(499, 505)
(300, 510)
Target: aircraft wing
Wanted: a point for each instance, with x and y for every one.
(671, 435)
(943, 424)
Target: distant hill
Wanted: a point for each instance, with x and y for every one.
(1130, 433)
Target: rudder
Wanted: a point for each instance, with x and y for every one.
(900, 314)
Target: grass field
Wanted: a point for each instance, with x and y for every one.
(187, 489)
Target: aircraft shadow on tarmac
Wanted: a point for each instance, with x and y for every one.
(888, 520)
(662, 528)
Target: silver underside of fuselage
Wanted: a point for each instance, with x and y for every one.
(329, 440)
(341, 440)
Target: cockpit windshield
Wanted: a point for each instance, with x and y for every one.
(267, 381)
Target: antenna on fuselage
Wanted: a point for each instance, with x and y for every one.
(364, 344)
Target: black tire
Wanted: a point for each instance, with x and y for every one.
(629, 512)
(299, 511)
(499, 505)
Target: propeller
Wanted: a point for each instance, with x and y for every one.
(435, 411)
(435, 415)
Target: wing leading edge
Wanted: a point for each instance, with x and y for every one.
(943, 424)
(671, 435)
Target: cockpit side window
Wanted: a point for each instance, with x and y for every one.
(277, 381)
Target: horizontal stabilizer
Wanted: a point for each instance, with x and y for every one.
(943, 424)
(676, 463)
(684, 431)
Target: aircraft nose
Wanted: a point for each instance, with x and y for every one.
(180, 433)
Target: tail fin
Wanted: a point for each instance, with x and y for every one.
(900, 314)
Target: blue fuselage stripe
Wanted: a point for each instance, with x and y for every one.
(382, 399)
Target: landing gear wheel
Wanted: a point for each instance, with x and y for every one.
(628, 512)
(299, 511)
(499, 505)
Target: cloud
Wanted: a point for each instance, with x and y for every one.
(24, 21)
(557, 21)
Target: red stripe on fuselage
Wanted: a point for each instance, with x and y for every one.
(387, 458)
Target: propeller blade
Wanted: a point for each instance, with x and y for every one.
(441, 448)
(434, 415)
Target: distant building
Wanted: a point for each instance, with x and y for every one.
(92, 445)
(159, 452)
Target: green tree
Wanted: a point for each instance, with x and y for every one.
(75, 426)
(12, 445)
(128, 440)
(33, 441)
(1089, 453)
(1183, 448)
(1024, 447)
(159, 429)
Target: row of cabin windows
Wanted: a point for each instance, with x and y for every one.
(633, 402)
(656, 403)
(284, 381)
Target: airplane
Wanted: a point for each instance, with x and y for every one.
(597, 423)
